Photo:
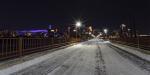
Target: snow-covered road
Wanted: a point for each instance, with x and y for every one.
(92, 57)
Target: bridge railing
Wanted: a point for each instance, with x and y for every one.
(15, 47)
(143, 43)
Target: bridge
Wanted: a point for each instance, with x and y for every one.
(92, 57)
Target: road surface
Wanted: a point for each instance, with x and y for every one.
(94, 57)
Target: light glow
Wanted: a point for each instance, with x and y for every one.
(74, 30)
(78, 24)
(105, 31)
(52, 30)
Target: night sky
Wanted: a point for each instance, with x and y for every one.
(30, 14)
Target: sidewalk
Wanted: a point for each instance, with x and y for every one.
(139, 52)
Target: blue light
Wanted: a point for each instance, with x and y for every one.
(34, 31)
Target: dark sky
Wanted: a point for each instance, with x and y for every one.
(19, 14)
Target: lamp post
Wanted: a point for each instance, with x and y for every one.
(106, 31)
(78, 25)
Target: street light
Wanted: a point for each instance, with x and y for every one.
(78, 25)
(74, 30)
(105, 31)
(123, 25)
(52, 30)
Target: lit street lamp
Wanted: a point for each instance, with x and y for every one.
(106, 31)
(74, 30)
(78, 25)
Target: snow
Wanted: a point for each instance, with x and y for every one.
(77, 64)
(24, 65)
(93, 57)
(133, 51)
(118, 65)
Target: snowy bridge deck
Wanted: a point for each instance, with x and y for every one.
(93, 57)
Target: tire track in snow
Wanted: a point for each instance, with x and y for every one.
(47, 66)
(100, 63)
(69, 63)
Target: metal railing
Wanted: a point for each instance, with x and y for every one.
(15, 47)
(143, 43)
